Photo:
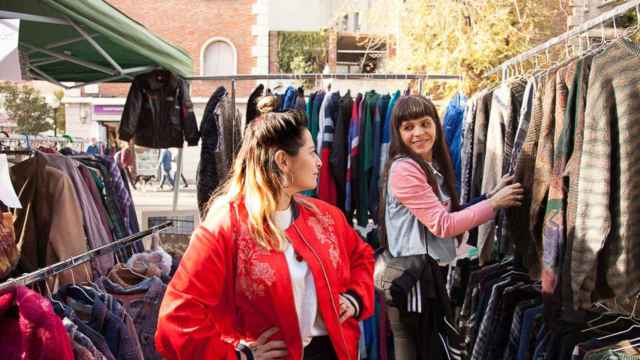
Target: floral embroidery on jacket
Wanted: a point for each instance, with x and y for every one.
(254, 276)
(323, 226)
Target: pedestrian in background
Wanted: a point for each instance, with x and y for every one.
(164, 164)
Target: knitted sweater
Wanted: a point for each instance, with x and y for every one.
(608, 185)
(572, 171)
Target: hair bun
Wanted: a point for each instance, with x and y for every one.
(267, 104)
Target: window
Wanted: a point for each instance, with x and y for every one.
(356, 22)
(345, 23)
(218, 58)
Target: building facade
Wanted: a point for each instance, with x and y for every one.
(223, 37)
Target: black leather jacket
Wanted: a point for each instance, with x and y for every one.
(159, 112)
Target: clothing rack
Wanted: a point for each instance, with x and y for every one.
(321, 76)
(317, 76)
(72, 262)
(564, 38)
(16, 152)
(26, 142)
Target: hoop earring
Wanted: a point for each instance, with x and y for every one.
(287, 181)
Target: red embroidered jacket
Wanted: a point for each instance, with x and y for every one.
(228, 288)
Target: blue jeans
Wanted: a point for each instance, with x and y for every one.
(166, 175)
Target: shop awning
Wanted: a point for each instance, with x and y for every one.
(88, 41)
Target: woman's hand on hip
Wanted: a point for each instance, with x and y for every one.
(347, 310)
(509, 196)
(263, 349)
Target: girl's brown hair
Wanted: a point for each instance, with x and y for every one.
(411, 108)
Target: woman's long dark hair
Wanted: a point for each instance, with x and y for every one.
(411, 108)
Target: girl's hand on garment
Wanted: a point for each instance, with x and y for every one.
(509, 196)
(506, 180)
(263, 349)
(346, 309)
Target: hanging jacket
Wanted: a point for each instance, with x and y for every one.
(308, 109)
(322, 120)
(314, 120)
(327, 184)
(453, 123)
(49, 227)
(252, 105)
(386, 133)
(374, 184)
(228, 288)
(300, 103)
(221, 140)
(289, 100)
(207, 175)
(352, 158)
(365, 168)
(230, 136)
(340, 148)
(158, 112)
(105, 315)
(97, 234)
(29, 329)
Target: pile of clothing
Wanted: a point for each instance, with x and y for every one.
(113, 317)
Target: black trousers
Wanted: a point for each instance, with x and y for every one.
(320, 348)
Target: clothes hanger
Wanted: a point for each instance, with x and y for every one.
(90, 282)
(633, 343)
(512, 272)
(634, 326)
(607, 312)
(73, 280)
(629, 317)
(51, 298)
(631, 30)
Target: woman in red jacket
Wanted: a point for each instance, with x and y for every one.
(269, 274)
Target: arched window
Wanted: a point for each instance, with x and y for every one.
(218, 57)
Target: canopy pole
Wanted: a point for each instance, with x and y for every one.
(96, 46)
(71, 59)
(420, 83)
(233, 95)
(62, 43)
(30, 17)
(176, 179)
(47, 77)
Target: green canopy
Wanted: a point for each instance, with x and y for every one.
(88, 41)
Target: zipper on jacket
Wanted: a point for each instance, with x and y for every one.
(326, 278)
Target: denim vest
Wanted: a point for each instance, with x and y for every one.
(406, 235)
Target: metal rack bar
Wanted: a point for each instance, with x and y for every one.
(593, 23)
(16, 152)
(373, 76)
(72, 262)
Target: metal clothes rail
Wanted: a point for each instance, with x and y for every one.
(72, 262)
(319, 76)
(564, 38)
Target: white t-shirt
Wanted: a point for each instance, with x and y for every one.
(304, 289)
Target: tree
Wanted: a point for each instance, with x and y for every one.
(59, 113)
(466, 37)
(27, 107)
(306, 50)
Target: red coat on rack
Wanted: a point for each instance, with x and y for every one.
(228, 288)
